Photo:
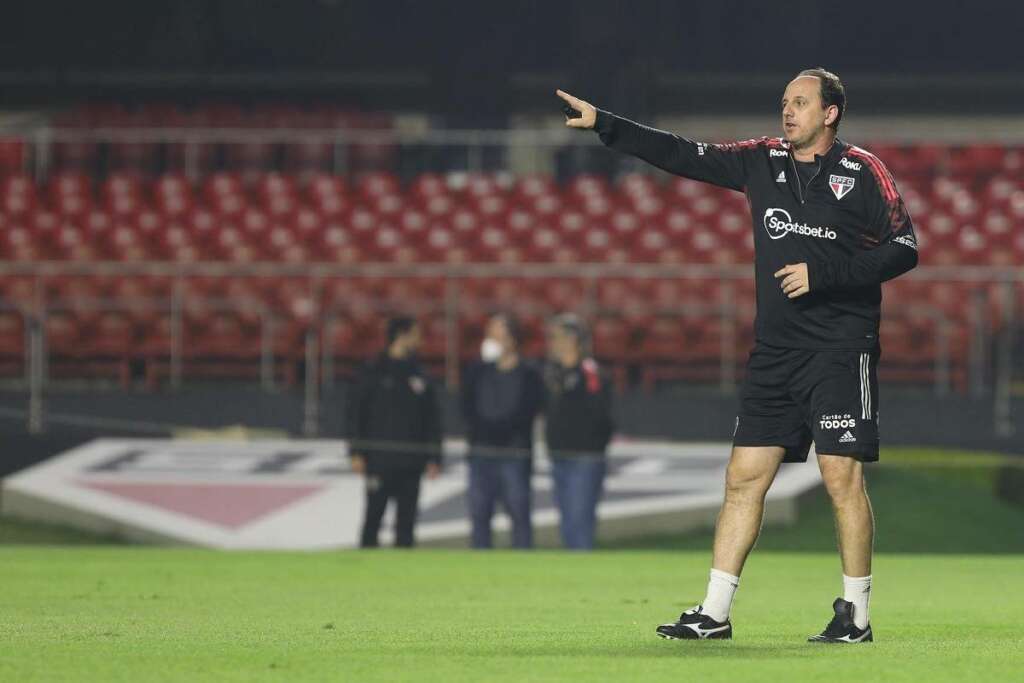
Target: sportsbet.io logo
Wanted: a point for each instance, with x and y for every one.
(779, 223)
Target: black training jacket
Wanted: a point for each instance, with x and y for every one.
(578, 412)
(848, 224)
(508, 430)
(394, 417)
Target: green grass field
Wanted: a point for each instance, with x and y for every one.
(925, 501)
(130, 614)
(947, 603)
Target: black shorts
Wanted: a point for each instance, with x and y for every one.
(792, 397)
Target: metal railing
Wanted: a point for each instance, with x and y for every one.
(473, 150)
(318, 354)
(469, 147)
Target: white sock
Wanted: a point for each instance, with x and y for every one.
(858, 591)
(721, 589)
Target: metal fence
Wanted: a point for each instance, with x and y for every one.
(988, 369)
(539, 145)
(413, 151)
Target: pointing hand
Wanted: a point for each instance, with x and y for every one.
(588, 114)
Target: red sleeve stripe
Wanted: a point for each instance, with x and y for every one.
(885, 182)
(748, 144)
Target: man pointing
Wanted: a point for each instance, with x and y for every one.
(829, 227)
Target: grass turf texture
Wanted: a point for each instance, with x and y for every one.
(925, 501)
(160, 614)
(15, 531)
(122, 613)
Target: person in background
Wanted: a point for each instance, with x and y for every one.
(578, 428)
(502, 396)
(394, 427)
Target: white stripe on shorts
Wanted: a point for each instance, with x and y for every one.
(865, 386)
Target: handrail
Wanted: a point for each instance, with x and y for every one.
(985, 130)
(236, 135)
(464, 270)
(319, 358)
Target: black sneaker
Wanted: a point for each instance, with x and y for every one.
(842, 629)
(693, 624)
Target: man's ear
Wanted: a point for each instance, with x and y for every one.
(831, 114)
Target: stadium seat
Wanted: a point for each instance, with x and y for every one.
(12, 343)
(967, 204)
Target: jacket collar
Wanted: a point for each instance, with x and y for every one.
(831, 157)
(828, 161)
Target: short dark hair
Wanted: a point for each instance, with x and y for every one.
(512, 325)
(832, 91)
(575, 326)
(399, 325)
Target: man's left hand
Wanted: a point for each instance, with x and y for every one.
(794, 280)
(433, 470)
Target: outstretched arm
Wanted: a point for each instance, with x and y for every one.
(721, 165)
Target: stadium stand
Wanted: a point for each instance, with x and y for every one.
(133, 203)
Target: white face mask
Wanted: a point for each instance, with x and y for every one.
(491, 350)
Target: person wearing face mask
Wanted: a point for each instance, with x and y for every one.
(502, 396)
(394, 428)
(578, 427)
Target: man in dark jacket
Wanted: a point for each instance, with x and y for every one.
(578, 428)
(829, 228)
(394, 429)
(501, 398)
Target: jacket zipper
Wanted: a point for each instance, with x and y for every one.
(799, 185)
(821, 164)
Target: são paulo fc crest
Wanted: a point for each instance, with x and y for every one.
(840, 184)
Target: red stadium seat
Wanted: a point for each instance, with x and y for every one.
(594, 206)
(551, 205)
(221, 185)
(650, 208)
(976, 160)
(75, 155)
(271, 185)
(70, 183)
(63, 334)
(966, 206)
(12, 343)
(490, 206)
(587, 186)
(375, 184)
(17, 194)
(534, 185)
(973, 245)
(324, 184)
(13, 154)
(427, 185)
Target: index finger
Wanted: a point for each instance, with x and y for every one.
(567, 97)
(785, 271)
